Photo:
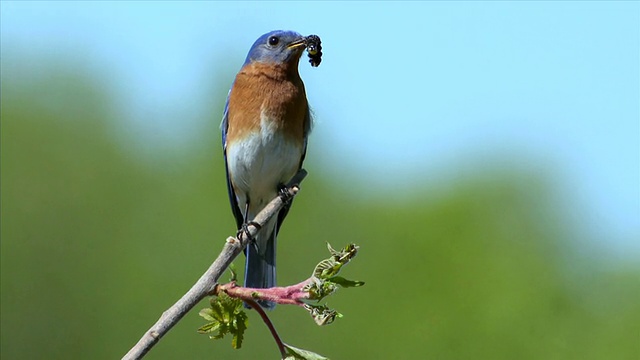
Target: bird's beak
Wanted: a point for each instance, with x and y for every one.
(298, 43)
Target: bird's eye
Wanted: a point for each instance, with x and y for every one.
(273, 41)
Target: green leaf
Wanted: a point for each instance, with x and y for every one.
(322, 314)
(294, 353)
(240, 325)
(331, 266)
(345, 283)
(207, 328)
(207, 314)
(333, 251)
(225, 316)
(220, 334)
(345, 255)
(326, 268)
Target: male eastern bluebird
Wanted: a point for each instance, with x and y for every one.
(265, 127)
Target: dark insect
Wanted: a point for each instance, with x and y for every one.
(314, 49)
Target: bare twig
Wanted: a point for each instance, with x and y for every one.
(206, 284)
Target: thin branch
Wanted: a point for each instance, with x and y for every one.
(269, 324)
(287, 295)
(206, 284)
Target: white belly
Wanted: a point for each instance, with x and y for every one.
(258, 164)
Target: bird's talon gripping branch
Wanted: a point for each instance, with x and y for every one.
(247, 232)
(284, 193)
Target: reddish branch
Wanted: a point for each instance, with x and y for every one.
(272, 329)
(288, 295)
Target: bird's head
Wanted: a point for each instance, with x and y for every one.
(279, 47)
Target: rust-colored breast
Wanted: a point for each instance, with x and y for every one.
(270, 90)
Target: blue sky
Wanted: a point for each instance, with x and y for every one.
(407, 91)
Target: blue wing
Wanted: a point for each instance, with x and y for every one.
(232, 194)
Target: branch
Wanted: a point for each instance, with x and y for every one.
(206, 284)
(272, 329)
(324, 282)
(287, 295)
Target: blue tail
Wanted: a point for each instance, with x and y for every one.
(260, 269)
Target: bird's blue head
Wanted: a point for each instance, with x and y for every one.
(277, 47)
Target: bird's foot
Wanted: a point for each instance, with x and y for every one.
(247, 233)
(283, 193)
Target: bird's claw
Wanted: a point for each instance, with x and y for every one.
(247, 233)
(284, 194)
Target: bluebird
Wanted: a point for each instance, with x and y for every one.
(265, 127)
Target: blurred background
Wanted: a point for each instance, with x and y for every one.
(484, 155)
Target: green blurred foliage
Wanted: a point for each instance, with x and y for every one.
(96, 243)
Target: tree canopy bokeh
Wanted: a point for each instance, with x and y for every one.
(97, 242)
